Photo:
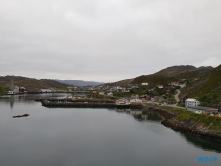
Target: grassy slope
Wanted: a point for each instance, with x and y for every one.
(4, 90)
(207, 89)
(153, 80)
(191, 75)
(120, 83)
(172, 74)
(174, 70)
(212, 123)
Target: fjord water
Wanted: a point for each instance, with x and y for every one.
(85, 137)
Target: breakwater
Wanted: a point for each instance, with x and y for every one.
(77, 100)
(86, 103)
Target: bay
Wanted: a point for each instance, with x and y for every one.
(88, 136)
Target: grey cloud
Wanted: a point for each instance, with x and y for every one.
(106, 40)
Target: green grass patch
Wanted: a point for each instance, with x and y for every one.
(211, 122)
(3, 90)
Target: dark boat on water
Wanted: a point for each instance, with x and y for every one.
(20, 116)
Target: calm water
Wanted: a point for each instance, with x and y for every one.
(92, 137)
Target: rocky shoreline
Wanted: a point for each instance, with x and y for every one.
(188, 126)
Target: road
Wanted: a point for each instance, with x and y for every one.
(170, 105)
(176, 96)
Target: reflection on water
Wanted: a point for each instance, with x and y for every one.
(30, 97)
(142, 114)
(199, 142)
(11, 102)
(204, 143)
(78, 136)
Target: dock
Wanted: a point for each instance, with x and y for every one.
(82, 103)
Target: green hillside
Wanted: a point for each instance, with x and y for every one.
(164, 76)
(193, 74)
(153, 80)
(4, 89)
(206, 89)
(170, 74)
(5, 82)
(174, 70)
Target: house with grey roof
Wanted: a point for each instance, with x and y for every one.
(202, 110)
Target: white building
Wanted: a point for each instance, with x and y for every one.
(191, 103)
(119, 89)
(122, 102)
(160, 86)
(136, 101)
(175, 83)
(16, 90)
(101, 93)
(144, 84)
(202, 110)
(45, 90)
(110, 94)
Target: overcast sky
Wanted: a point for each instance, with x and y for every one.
(106, 40)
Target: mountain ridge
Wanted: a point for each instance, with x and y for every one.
(5, 82)
(79, 82)
(172, 73)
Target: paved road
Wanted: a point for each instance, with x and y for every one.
(170, 105)
(176, 96)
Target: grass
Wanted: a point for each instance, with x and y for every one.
(3, 90)
(208, 89)
(211, 122)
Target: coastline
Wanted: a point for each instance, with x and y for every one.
(186, 126)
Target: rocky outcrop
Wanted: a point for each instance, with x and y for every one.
(191, 127)
(188, 126)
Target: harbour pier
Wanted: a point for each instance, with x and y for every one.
(85, 103)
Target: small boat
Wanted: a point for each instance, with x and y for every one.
(19, 116)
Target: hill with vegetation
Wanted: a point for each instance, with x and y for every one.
(153, 80)
(80, 82)
(120, 83)
(193, 74)
(5, 82)
(164, 76)
(207, 89)
(174, 70)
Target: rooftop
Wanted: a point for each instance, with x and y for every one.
(191, 100)
(204, 108)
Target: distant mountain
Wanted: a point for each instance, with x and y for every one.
(80, 82)
(5, 82)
